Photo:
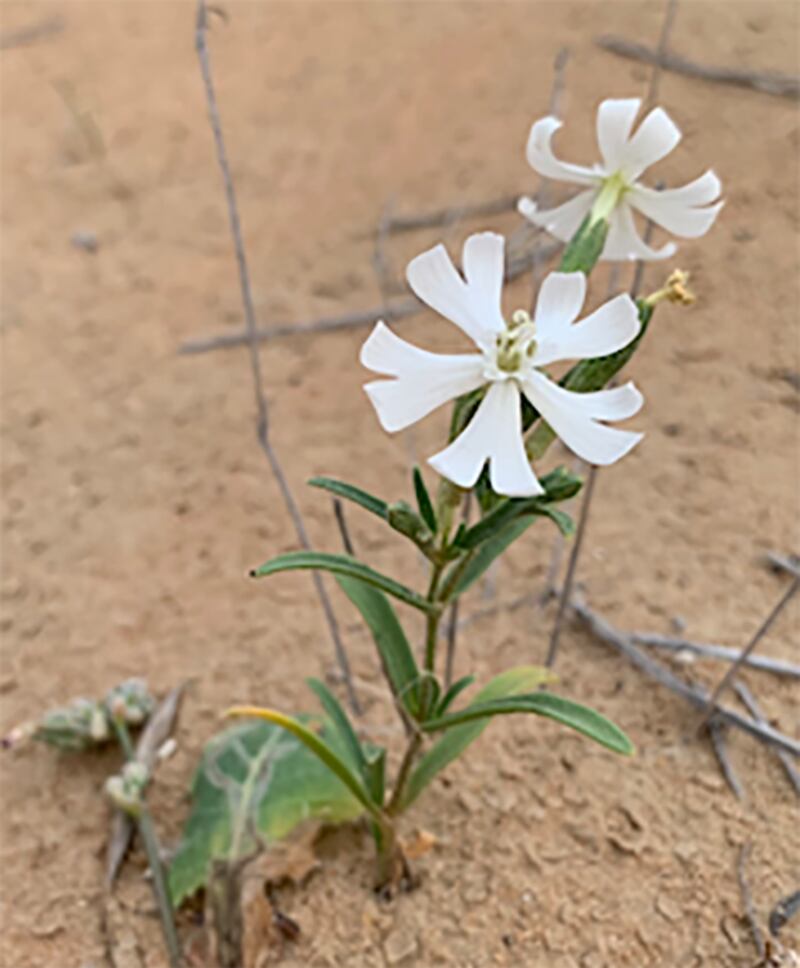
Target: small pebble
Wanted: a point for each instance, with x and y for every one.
(85, 240)
(399, 946)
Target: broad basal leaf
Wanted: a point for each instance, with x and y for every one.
(252, 776)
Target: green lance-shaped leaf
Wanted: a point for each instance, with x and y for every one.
(349, 568)
(456, 740)
(342, 725)
(580, 718)
(424, 502)
(322, 749)
(350, 493)
(252, 778)
(395, 653)
(559, 485)
(480, 560)
(453, 693)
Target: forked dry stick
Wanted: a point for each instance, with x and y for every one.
(716, 732)
(262, 411)
(765, 626)
(754, 709)
(696, 695)
(768, 82)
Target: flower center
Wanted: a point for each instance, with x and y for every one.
(512, 350)
(612, 190)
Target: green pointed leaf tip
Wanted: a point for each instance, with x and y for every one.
(424, 502)
(453, 743)
(342, 725)
(578, 717)
(350, 493)
(346, 566)
(390, 640)
(254, 775)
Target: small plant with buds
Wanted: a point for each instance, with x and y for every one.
(507, 410)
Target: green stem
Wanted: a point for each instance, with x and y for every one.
(147, 831)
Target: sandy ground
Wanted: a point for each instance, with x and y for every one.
(135, 499)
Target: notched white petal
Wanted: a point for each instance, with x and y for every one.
(493, 434)
(570, 416)
(676, 217)
(609, 328)
(435, 280)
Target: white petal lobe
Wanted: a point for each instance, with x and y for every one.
(655, 137)
(434, 279)
(424, 380)
(482, 259)
(675, 217)
(624, 242)
(608, 329)
(592, 441)
(563, 221)
(614, 123)
(561, 297)
(541, 158)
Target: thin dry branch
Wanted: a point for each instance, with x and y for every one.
(768, 82)
(451, 214)
(516, 265)
(251, 339)
(787, 563)
(762, 630)
(754, 709)
(32, 34)
(696, 695)
(747, 899)
(716, 732)
(719, 652)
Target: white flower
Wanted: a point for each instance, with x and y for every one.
(508, 362)
(613, 189)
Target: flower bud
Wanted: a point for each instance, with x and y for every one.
(79, 726)
(130, 701)
(403, 518)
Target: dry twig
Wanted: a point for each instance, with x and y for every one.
(262, 412)
(790, 563)
(451, 215)
(765, 626)
(768, 82)
(747, 899)
(754, 709)
(708, 651)
(716, 732)
(696, 695)
(516, 265)
(26, 36)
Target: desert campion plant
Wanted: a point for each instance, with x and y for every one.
(507, 410)
(612, 190)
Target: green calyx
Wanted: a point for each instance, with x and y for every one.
(611, 193)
